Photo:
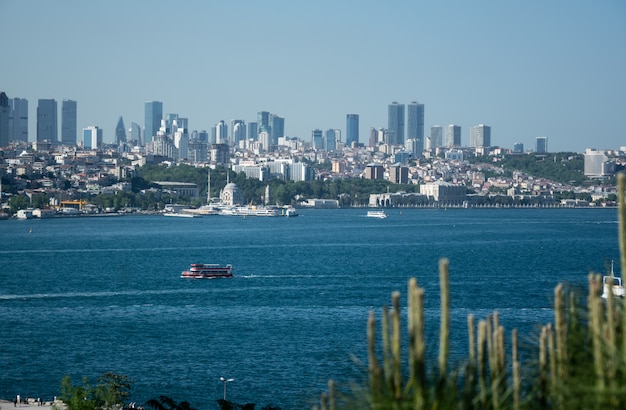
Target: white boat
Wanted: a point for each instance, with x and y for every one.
(182, 215)
(290, 212)
(376, 214)
(208, 271)
(250, 211)
(612, 284)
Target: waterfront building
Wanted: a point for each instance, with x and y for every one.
(395, 123)
(453, 135)
(92, 137)
(352, 129)
(153, 117)
(5, 113)
(444, 192)
(231, 195)
(47, 122)
(415, 125)
(436, 136)
(18, 121)
(68, 122)
(480, 136)
(120, 132)
(541, 145)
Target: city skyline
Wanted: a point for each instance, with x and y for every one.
(528, 70)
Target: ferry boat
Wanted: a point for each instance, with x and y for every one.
(208, 271)
(613, 284)
(376, 214)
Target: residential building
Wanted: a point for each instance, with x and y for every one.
(453, 135)
(18, 123)
(415, 125)
(352, 129)
(47, 121)
(480, 136)
(5, 113)
(395, 123)
(436, 136)
(597, 164)
(153, 116)
(68, 122)
(92, 137)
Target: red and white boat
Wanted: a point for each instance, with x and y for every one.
(208, 271)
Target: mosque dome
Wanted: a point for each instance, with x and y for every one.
(231, 195)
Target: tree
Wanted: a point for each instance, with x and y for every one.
(18, 202)
(167, 403)
(110, 392)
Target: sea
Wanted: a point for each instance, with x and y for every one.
(83, 296)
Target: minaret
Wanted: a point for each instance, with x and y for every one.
(208, 190)
(267, 195)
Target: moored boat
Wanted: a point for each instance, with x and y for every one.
(208, 271)
(612, 284)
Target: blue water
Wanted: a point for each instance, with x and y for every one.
(83, 296)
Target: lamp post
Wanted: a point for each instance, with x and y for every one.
(226, 381)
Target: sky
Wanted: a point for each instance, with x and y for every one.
(528, 69)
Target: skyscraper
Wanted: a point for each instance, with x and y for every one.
(238, 131)
(134, 133)
(92, 137)
(453, 135)
(47, 122)
(153, 116)
(5, 113)
(396, 123)
(18, 123)
(415, 125)
(436, 136)
(120, 132)
(480, 136)
(221, 133)
(317, 139)
(278, 129)
(68, 122)
(253, 130)
(541, 146)
(352, 129)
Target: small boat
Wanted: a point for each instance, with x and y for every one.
(376, 214)
(291, 212)
(182, 215)
(612, 284)
(208, 271)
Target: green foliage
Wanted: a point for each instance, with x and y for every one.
(563, 167)
(18, 202)
(110, 392)
(167, 403)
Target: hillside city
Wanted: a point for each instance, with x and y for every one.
(161, 163)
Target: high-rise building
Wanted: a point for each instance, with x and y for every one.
(415, 125)
(221, 132)
(480, 136)
(18, 122)
(541, 145)
(453, 135)
(597, 164)
(47, 122)
(352, 129)
(238, 132)
(518, 147)
(153, 116)
(395, 123)
(278, 129)
(68, 122)
(436, 136)
(253, 130)
(5, 113)
(330, 139)
(120, 132)
(92, 137)
(317, 139)
(263, 119)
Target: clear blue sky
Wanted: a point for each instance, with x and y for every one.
(526, 68)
